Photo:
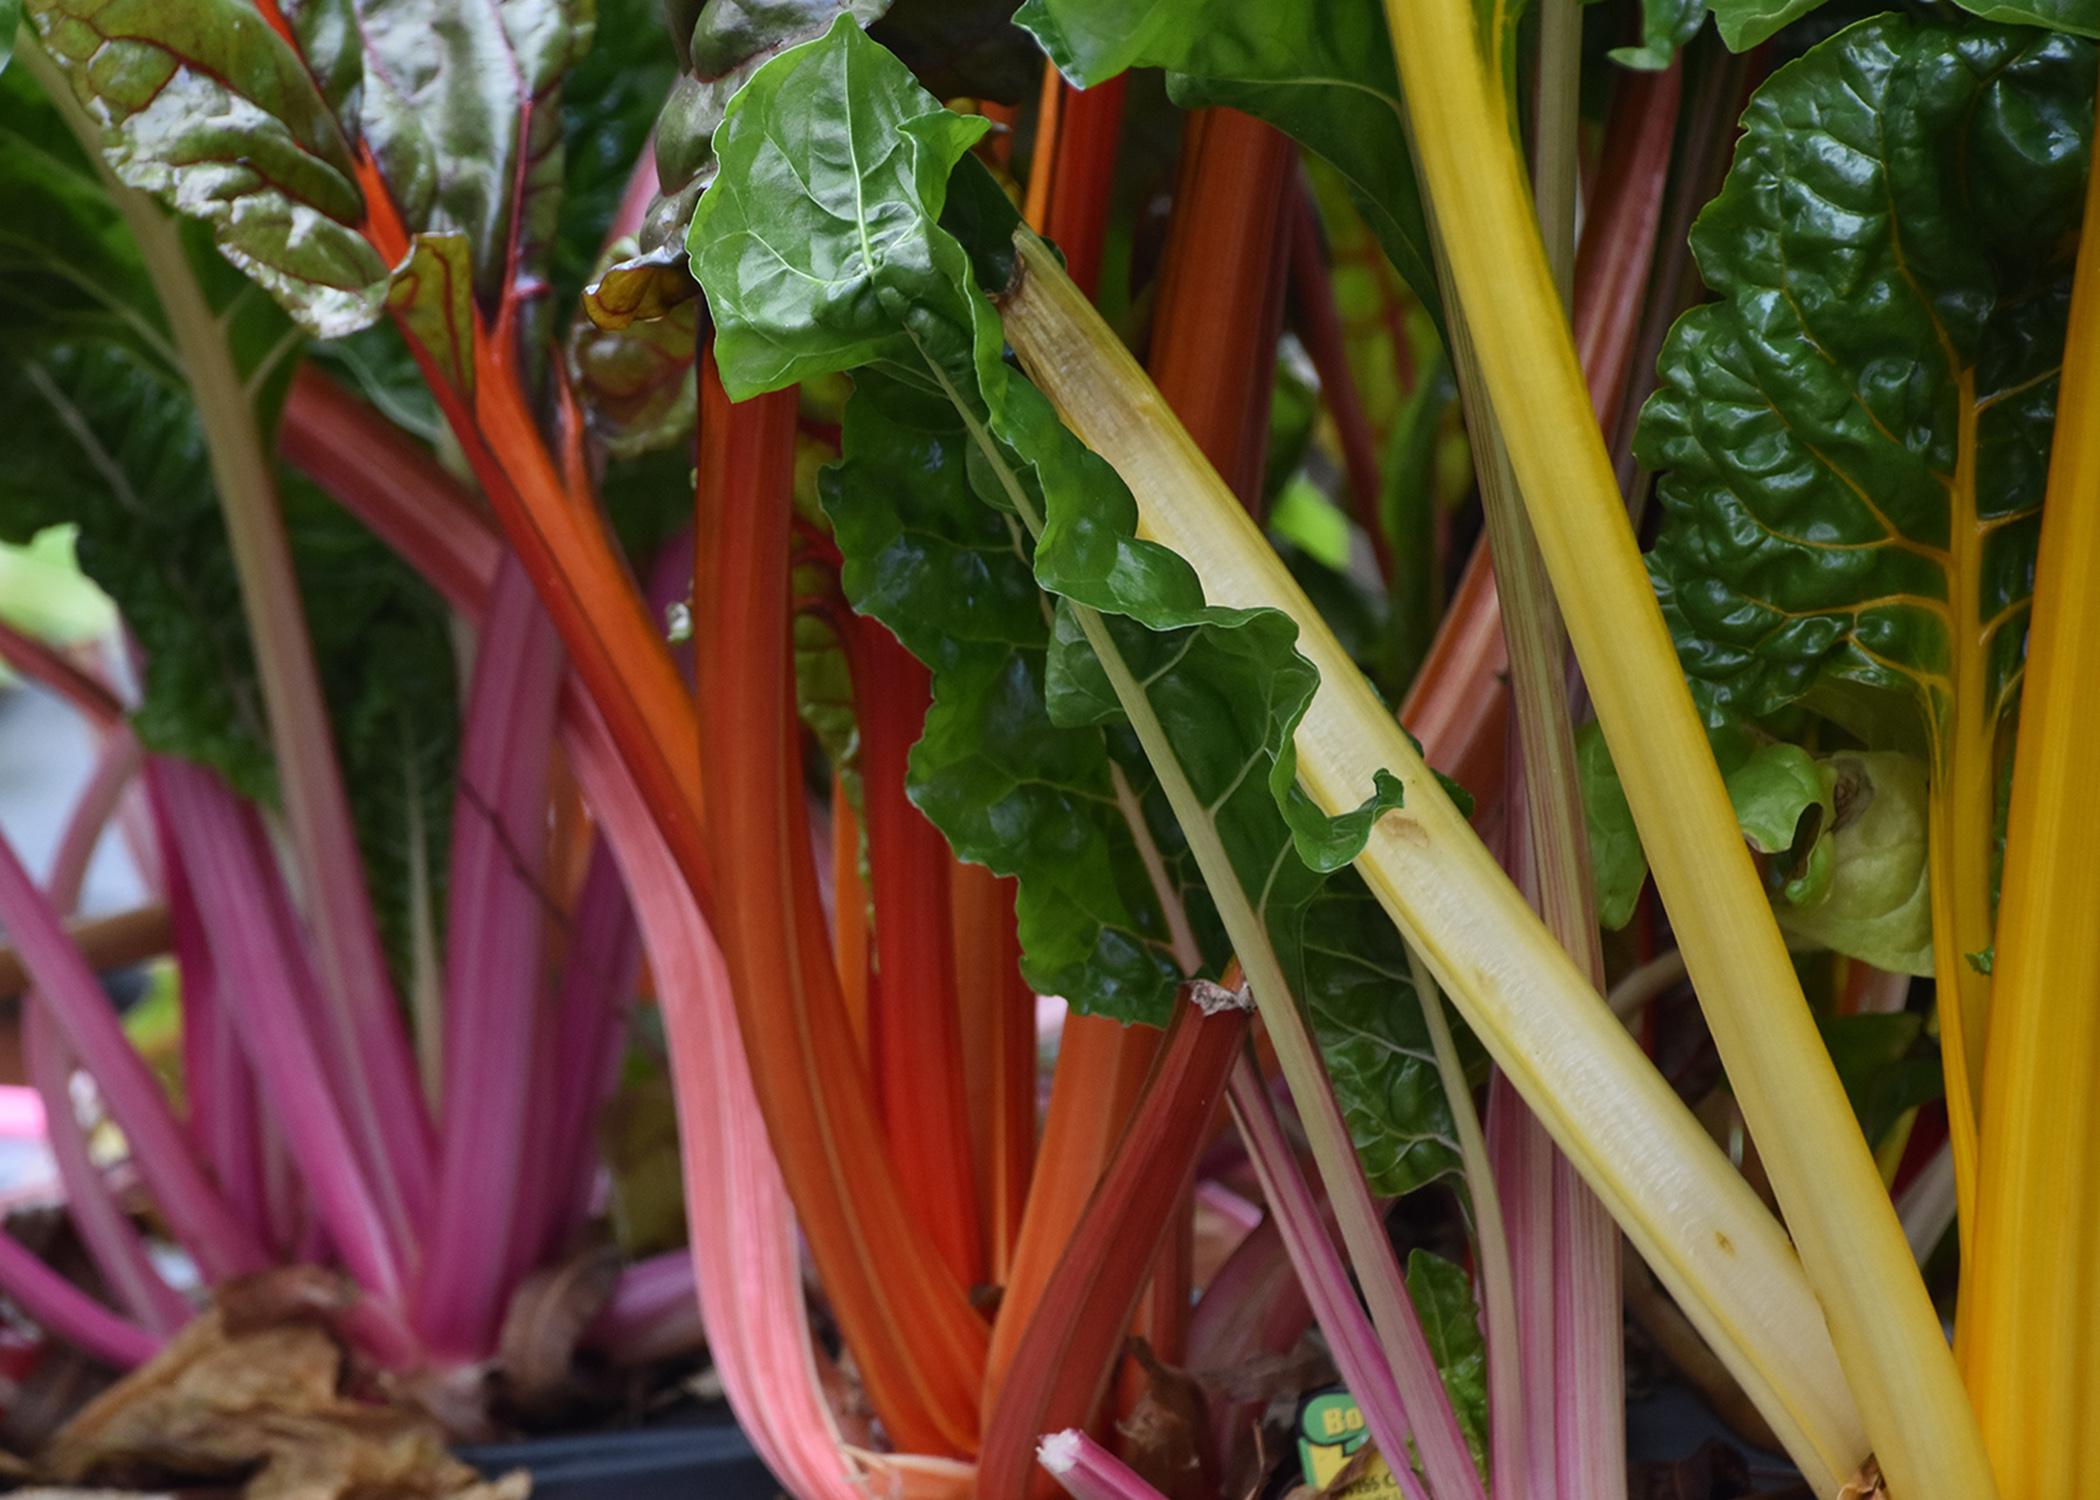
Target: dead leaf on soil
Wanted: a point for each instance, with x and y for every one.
(252, 1392)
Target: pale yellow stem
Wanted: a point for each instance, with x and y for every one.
(1684, 1208)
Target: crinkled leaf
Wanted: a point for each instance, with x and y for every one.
(207, 107)
(1878, 906)
(636, 382)
(820, 247)
(1853, 439)
(1361, 1000)
(1322, 74)
(1443, 1297)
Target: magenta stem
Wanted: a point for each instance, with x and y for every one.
(494, 956)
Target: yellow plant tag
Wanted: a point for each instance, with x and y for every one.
(1330, 1432)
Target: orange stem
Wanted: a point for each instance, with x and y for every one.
(849, 913)
(1069, 189)
(1068, 1353)
(914, 1031)
(919, 1345)
(1214, 334)
(998, 1034)
(1101, 1065)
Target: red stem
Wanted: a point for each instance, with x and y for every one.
(914, 1032)
(1062, 1367)
(1320, 326)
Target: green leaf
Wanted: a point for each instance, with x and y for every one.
(720, 44)
(1443, 1297)
(205, 106)
(1853, 440)
(1617, 862)
(1323, 74)
(1878, 905)
(1361, 1001)
(1783, 801)
(821, 247)
(10, 19)
(1887, 1065)
(1746, 23)
(609, 103)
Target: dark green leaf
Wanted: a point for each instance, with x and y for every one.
(1322, 74)
(820, 247)
(1853, 441)
(1887, 1065)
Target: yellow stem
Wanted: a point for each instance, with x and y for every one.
(2031, 1287)
(1886, 1334)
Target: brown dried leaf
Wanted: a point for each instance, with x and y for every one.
(252, 1393)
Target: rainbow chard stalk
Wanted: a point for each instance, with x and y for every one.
(494, 975)
(1064, 1361)
(1895, 1360)
(2037, 1240)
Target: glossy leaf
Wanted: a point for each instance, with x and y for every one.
(1853, 440)
(1745, 23)
(1322, 74)
(822, 248)
(720, 44)
(210, 109)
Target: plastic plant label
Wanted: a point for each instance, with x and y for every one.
(1330, 1432)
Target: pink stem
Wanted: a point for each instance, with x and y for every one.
(493, 961)
(225, 1121)
(605, 956)
(653, 1313)
(258, 954)
(1088, 1471)
(68, 1312)
(89, 1030)
(111, 1239)
(745, 1257)
(1393, 1415)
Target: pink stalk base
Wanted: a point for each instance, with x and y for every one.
(1392, 1416)
(1088, 1471)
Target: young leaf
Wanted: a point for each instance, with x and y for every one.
(1878, 903)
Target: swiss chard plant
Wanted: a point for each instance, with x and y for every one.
(940, 526)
